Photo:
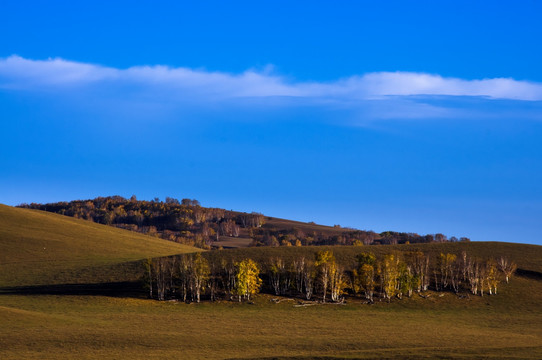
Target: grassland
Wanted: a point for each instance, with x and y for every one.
(38, 247)
(229, 242)
(44, 326)
(53, 327)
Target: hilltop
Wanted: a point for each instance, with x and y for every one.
(189, 223)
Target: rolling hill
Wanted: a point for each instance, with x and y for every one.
(41, 248)
(189, 223)
(38, 247)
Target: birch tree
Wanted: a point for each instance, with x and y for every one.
(148, 272)
(199, 274)
(160, 278)
(299, 269)
(389, 271)
(366, 274)
(309, 275)
(420, 267)
(184, 276)
(276, 274)
(507, 267)
(337, 282)
(491, 277)
(406, 279)
(444, 270)
(214, 279)
(228, 276)
(248, 281)
(324, 263)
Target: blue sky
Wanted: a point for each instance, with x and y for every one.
(385, 116)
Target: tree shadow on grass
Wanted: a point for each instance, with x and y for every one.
(113, 289)
(534, 275)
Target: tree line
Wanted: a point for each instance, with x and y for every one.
(187, 222)
(184, 221)
(191, 277)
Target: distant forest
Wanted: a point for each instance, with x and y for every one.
(187, 222)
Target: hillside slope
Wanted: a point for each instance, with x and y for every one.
(189, 223)
(38, 247)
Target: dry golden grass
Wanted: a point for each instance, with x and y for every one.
(54, 327)
(38, 247)
(99, 327)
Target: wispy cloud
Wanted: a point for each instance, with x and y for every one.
(19, 73)
(371, 91)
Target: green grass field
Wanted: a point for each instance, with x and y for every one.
(44, 326)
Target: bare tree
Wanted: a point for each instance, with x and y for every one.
(420, 268)
(299, 268)
(309, 274)
(473, 275)
(214, 277)
(276, 270)
(148, 268)
(160, 277)
(456, 276)
(464, 265)
(228, 276)
(444, 270)
(507, 267)
(235, 230)
(184, 275)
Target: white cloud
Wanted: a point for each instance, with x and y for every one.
(17, 72)
(378, 95)
(404, 83)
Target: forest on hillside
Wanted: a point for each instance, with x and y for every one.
(187, 222)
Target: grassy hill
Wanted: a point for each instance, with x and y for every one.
(189, 223)
(506, 326)
(274, 224)
(45, 248)
(38, 247)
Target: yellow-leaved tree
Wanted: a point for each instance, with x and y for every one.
(248, 280)
(200, 274)
(389, 272)
(325, 265)
(337, 281)
(365, 274)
